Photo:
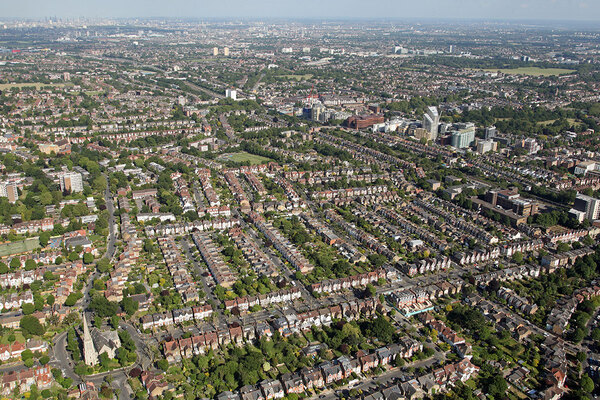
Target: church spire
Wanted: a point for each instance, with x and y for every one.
(89, 352)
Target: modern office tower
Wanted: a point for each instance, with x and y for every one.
(431, 122)
(585, 208)
(71, 182)
(490, 132)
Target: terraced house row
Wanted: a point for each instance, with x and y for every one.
(412, 228)
(182, 279)
(350, 192)
(243, 304)
(365, 238)
(182, 228)
(282, 244)
(261, 263)
(219, 270)
(360, 280)
(326, 373)
(179, 316)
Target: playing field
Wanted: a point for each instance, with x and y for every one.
(299, 77)
(22, 246)
(533, 71)
(38, 85)
(243, 156)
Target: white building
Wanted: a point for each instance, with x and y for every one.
(71, 182)
(231, 94)
(431, 122)
(584, 167)
(585, 208)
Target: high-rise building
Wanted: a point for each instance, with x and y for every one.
(431, 122)
(71, 182)
(483, 146)
(585, 208)
(226, 51)
(490, 132)
(231, 94)
(215, 51)
(9, 190)
(463, 138)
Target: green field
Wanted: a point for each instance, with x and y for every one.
(298, 77)
(243, 156)
(533, 71)
(22, 246)
(551, 121)
(6, 86)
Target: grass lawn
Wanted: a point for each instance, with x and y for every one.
(6, 86)
(298, 77)
(18, 336)
(572, 121)
(22, 246)
(533, 71)
(243, 157)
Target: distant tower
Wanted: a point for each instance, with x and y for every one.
(431, 122)
(226, 51)
(89, 352)
(215, 51)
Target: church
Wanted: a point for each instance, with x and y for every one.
(97, 342)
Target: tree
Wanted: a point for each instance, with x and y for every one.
(73, 256)
(162, 364)
(44, 238)
(3, 268)
(26, 355)
(382, 329)
(562, 247)
(129, 305)
(370, 290)
(72, 299)
(517, 257)
(15, 263)
(28, 308)
(44, 360)
(88, 258)
(102, 307)
(31, 325)
(50, 300)
(587, 384)
(103, 265)
(30, 265)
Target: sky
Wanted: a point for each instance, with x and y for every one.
(572, 10)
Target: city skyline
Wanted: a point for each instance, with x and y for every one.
(517, 10)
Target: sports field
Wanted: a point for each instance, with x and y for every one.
(38, 85)
(22, 246)
(533, 71)
(243, 156)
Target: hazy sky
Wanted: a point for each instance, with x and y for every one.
(398, 9)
